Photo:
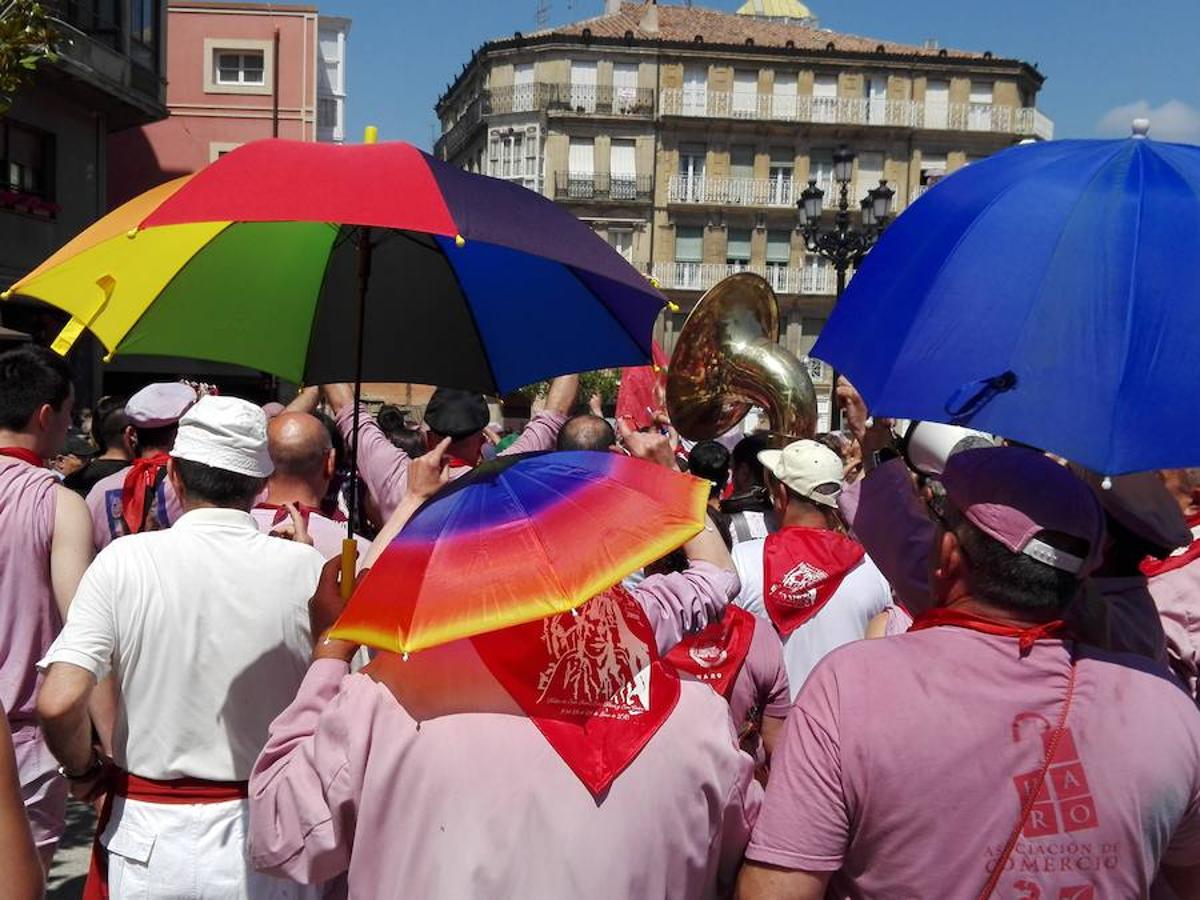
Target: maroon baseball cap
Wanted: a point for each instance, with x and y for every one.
(1012, 494)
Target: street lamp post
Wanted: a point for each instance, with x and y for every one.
(843, 244)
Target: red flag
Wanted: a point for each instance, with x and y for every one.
(591, 681)
(641, 395)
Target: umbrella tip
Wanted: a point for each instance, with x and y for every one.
(672, 306)
(4, 295)
(1141, 127)
(460, 241)
(1106, 484)
(131, 233)
(370, 134)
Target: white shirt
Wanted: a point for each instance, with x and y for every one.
(863, 593)
(205, 627)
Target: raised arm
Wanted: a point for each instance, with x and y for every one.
(381, 464)
(22, 867)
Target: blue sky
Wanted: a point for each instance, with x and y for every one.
(1105, 61)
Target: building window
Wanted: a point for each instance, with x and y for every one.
(621, 240)
(779, 187)
(784, 102)
(820, 169)
(583, 86)
(327, 112)
(239, 68)
(26, 160)
(581, 168)
(144, 32)
(737, 249)
(745, 94)
(689, 252)
(825, 98)
(623, 170)
(513, 155)
(691, 171)
(779, 254)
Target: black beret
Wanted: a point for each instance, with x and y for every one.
(456, 413)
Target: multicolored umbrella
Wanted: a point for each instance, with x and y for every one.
(519, 539)
(470, 281)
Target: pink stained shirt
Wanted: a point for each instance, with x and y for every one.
(1176, 595)
(327, 535)
(762, 682)
(476, 803)
(104, 503)
(384, 466)
(902, 767)
(29, 618)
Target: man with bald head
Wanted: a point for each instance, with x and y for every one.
(302, 452)
(586, 432)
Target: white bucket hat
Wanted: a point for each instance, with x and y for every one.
(809, 468)
(225, 433)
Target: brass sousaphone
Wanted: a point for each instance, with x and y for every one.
(728, 359)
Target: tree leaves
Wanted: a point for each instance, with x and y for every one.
(27, 37)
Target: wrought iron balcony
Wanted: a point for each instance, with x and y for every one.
(603, 186)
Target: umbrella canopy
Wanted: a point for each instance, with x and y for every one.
(1050, 293)
(519, 539)
(473, 282)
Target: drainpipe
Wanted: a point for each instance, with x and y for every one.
(275, 89)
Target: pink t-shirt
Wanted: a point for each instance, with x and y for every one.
(29, 618)
(327, 535)
(903, 765)
(104, 503)
(1176, 594)
(762, 682)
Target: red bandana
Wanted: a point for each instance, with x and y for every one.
(1152, 567)
(142, 479)
(802, 568)
(945, 615)
(591, 682)
(716, 654)
(281, 512)
(24, 455)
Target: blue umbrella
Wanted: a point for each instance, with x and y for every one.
(1051, 294)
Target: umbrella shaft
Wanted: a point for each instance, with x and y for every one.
(364, 278)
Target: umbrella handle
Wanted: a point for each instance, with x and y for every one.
(349, 564)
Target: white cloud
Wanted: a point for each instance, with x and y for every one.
(1172, 121)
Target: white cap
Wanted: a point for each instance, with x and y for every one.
(225, 433)
(809, 468)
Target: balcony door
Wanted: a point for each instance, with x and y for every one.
(745, 94)
(825, 89)
(741, 174)
(522, 99)
(870, 171)
(583, 86)
(625, 84)
(581, 168)
(783, 97)
(695, 91)
(623, 170)
(876, 99)
(937, 104)
(779, 187)
(979, 113)
(691, 171)
(689, 251)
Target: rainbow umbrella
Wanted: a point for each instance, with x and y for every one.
(290, 257)
(323, 262)
(519, 539)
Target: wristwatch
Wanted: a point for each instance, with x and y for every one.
(93, 769)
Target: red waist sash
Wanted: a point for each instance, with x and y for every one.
(178, 791)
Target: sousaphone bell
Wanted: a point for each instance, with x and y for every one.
(728, 359)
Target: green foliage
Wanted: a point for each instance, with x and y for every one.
(26, 39)
(603, 382)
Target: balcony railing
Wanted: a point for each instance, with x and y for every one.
(855, 111)
(602, 186)
(694, 276)
(457, 135)
(589, 99)
(731, 191)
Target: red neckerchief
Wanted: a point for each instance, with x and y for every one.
(141, 479)
(959, 618)
(24, 455)
(591, 681)
(281, 512)
(455, 462)
(1152, 567)
(802, 569)
(716, 654)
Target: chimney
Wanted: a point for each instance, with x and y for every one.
(612, 7)
(649, 23)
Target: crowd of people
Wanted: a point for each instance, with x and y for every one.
(881, 669)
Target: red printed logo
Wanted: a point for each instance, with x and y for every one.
(1064, 801)
(1079, 892)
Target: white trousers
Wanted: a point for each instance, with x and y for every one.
(187, 852)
